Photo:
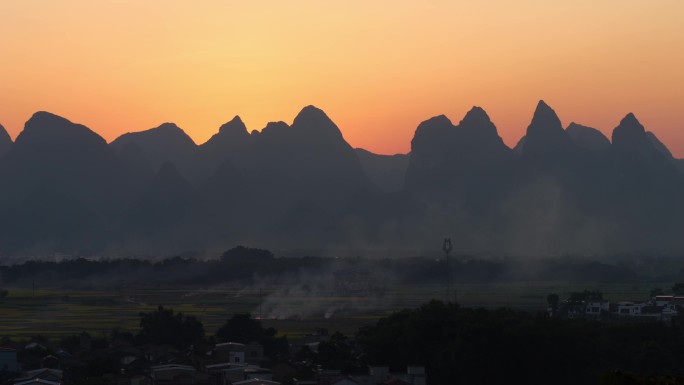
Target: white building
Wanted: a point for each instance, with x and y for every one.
(37, 381)
(54, 375)
(595, 308)
(662, 300)
(8, 360)
(173, 374)
(626, 309)
(256, 381)
(232, 352)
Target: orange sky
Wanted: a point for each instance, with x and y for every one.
(378, 68)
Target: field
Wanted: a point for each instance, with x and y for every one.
(55, 312)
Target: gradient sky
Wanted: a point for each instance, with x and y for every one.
(378, 68)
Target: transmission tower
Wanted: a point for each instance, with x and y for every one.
(447, 247)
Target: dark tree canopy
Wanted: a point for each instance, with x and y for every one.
(163, 326)
(678, 288)
(338, 352)
(587, 295)
(478, 346)
(242, 254)
(244, 329)
(553, 300)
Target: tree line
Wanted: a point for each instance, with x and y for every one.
(242, 264)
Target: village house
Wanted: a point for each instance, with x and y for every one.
(230, 373)
(173, 374)
(377, 375)
(237, 353)
(254, 353)
(226, 373)
(255, 372)
(595, 308)
(47, 374)
(38, 381)
(628, 309)
(256, 381)
(661, 307)
(133, 379)
(662, 300)
(232, 352)
(345, 380)
(8, 360)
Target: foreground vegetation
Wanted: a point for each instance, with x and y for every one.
(457, 345)
(500, 330)
(479, 346)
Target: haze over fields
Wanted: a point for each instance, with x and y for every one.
(302, 186)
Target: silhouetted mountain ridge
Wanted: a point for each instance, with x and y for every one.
(230, 135)
(441, 152)
(156, 146)
(57, 154)
(5, 141)
(588, 138)
(662, 149)
(303, 186)
(65, 184)
(545, 138)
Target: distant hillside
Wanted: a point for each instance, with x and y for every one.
(387, 172)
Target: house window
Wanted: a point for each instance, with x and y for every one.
(237, 359)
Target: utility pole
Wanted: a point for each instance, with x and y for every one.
(447, 247)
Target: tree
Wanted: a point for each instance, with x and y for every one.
(244, 329)
(337, 352)
(246, 254)
(656, 292)
(581, 297)
(553, 300)
(163, 326)
(678, 288)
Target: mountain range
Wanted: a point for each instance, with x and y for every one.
(302, 186)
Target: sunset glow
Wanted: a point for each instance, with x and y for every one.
(376, 68)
